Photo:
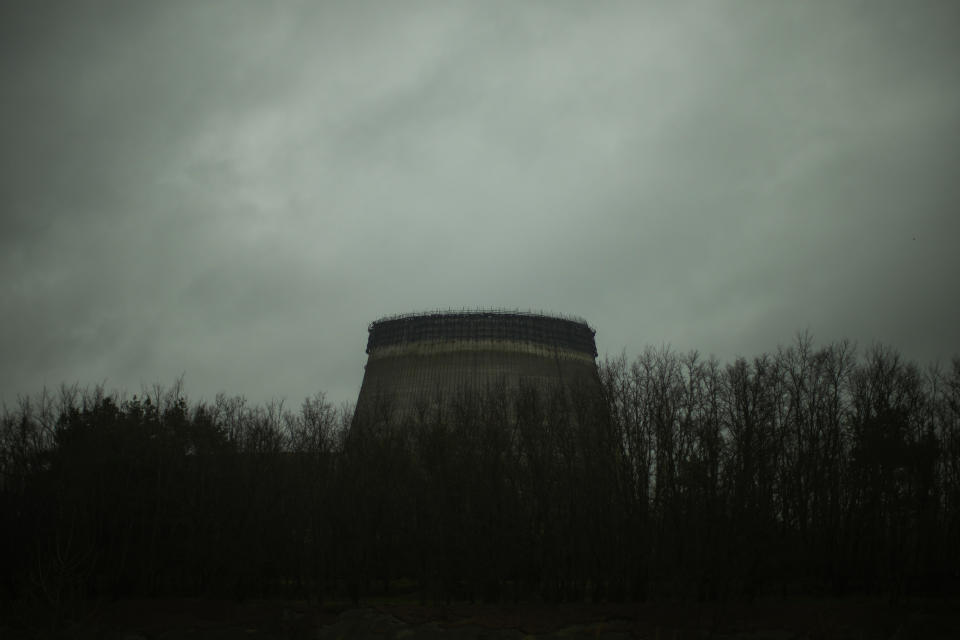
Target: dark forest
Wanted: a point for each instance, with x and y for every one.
(816, 470)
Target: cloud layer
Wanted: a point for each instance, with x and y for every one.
(233, 191)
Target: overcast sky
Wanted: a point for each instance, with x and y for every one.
(233, 190)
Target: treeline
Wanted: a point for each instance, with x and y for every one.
(809, 471)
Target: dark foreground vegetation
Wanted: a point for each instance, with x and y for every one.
(813, 471)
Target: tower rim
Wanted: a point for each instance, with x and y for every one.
(551, 330)
(481, 312)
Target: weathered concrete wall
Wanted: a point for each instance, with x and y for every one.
(424, 361)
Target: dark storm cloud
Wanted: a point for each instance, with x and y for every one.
(234, 190)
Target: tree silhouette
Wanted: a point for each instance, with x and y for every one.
(808, 471)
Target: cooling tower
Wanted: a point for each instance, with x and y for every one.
(419, 361)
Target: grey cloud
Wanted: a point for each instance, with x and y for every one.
(234, 190)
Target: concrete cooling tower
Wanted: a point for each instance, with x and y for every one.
(418, 361)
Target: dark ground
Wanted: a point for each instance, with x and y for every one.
(176, 619)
